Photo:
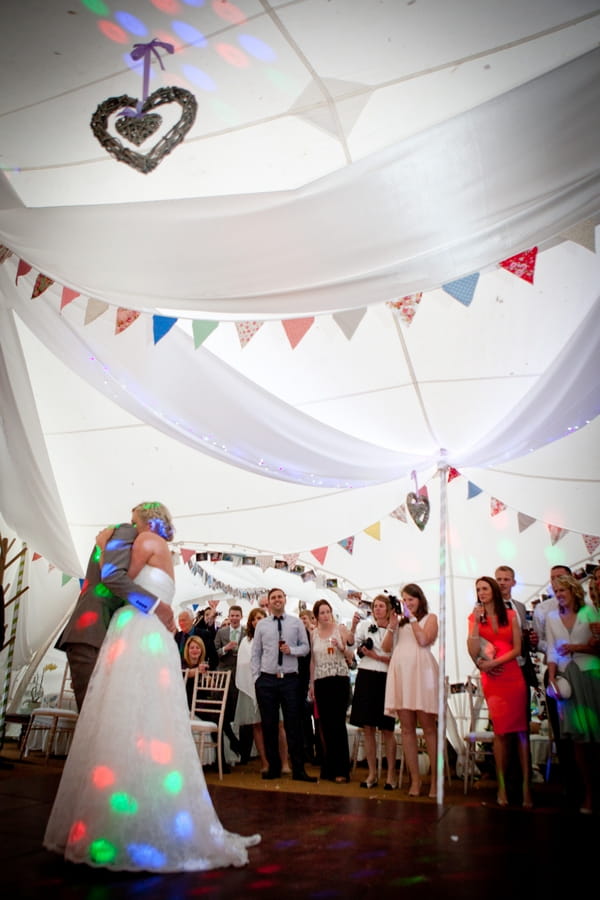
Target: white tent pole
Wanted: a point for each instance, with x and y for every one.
(441, 728)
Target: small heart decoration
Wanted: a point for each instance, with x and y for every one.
(136, 131)
(419, 509)
(144, 162)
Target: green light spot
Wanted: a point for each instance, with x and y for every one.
(173, 783)
(153, 643)
(123, 803)
(102, 591)
(97, 6)
(124, 617)
(97, 554)
(506, 549)
(102, 852)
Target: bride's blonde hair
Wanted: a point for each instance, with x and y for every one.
(157, 517)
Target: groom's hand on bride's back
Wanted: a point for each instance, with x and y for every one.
(165, 614)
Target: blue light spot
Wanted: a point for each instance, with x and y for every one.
(116, 544)
(183, 825)
(131, 23)
(145, 855)
(189, 34)
(194, 2)
(107, 570)
(136, 65)
(257, 48)
(199, 78)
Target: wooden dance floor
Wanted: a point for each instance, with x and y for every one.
(323, 841)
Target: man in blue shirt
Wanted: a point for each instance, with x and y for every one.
(279, 640)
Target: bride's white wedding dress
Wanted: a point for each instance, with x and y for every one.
(132, 795)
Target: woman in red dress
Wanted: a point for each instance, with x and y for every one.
(502, 682)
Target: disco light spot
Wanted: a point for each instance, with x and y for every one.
(124, 804)
(102, 852)
(199, 78)
(102, 591)
(87, 619)
(233, 56)
(136, 65)
(229, 12)
(97, 6)
(167, 6)
(224, 111)
(116, 543)
(161, 752)
(194, 2)
(153, 643)
(123, 619)
(116, 650)
(164, 678)
(183, 825)
(97, 554)
(189, 34)
(146, 856)
(107, 570)
(131, 23)
(409, 881)
(257, 48)
(77, 833)
(113, 32)
(173, 783)
(283, 82)
(268, 869)
(167, 38)
(102, 777)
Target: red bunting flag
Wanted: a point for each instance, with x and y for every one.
(452, 474)
(186, 554)
(522, 265)
(22, 269)
(296, 329)
(320, 554)
(36, 556)
(67, 297)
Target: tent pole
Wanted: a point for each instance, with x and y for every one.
(441, 726)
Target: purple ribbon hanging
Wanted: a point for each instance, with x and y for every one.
(145, 51)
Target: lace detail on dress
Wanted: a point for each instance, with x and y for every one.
(327, 664)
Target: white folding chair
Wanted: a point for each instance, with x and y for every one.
(207, 712)
(479, 739)
(54, 721)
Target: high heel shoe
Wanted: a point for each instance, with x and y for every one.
(388, 786)
(501, 801)
(369, 784)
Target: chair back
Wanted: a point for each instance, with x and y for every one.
(210, 695)
(479, 719)
(66, 696)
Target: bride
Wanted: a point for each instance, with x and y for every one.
(132, 794)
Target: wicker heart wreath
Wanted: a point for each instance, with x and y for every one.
(418, 508)
(138, 128)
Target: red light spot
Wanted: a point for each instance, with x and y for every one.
(228, 11)
(168, 39)
(269, 869)
(160, 752)
(103, 777)
(232, 55)
(164, 677)
(78, 832)
(167, 6)
(115, 651)
(87, 619)
(113, 32)
(85, 586)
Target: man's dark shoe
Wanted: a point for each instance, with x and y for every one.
(302, 776)
(270, 776)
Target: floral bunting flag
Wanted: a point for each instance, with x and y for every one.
(524, 522)
(247, 330)
(320, 554)
(496, 506)
(201, 330)
(591, 543)
(522, 265)
(399, 513)
(22, 269)
(296, 329)
(406, 307)
(452, 474)
(347, 544)
(186, 555)
(463, 289)
(161, 325)
(125, 318)
(473, 490)
(349, 320)
(291, 559)
(5, 253)
(265, 561)
(556, 532)
(94, 309)
(67, 297)
(42, 283)
(374, 531)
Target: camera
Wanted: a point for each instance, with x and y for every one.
(395, 604)
(367, 644)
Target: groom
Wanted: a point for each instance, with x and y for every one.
(107, 586)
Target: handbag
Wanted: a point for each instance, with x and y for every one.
(564, 689)
(486, 649)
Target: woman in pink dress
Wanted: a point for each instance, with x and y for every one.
(502, 681)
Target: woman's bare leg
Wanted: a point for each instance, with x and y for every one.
(429, 725)
(408, 724)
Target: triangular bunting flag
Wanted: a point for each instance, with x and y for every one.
(406, 307)
(452, 474)
(399, 513)
(524, 522)
(265, 561)
(201, 331)
(347, 544)
(556, 533)
(247, 330)
(67, 297)
(349, 320)
(496, 506)
(65, 579)
(423, 492)
(125, 318)
(42, 283)
(320, 554)
(94, 309)
(161, 325)
(473, 490)
(374, 531)
(36, 556)
(186, 554)
(591, 542)
(296, 329)
(522, 265)
(5, 253)
(584, 234)
(291, 559)
(81, 583)
(22, 269)
(463, 289)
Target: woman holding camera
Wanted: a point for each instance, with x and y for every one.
(369, 690)
(411, 690)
